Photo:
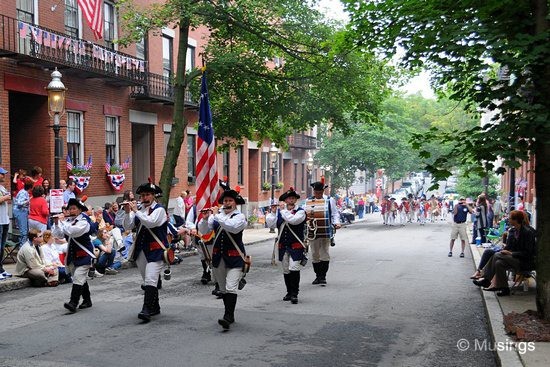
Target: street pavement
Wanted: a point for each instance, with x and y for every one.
(393, 298)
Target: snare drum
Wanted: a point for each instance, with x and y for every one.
(318, 218)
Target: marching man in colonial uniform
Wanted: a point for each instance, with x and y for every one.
(80, 252)
(228, 254)
(318, 241)
(150, 221)
(290, 221)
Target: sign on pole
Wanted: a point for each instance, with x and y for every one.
(56, 200)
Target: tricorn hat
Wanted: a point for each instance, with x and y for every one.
(291, 192)
(318, 186)
(232, 194)
(149, 187)
(79, 203)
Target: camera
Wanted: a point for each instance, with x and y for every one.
(303, 262)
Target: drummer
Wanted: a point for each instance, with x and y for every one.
(320, 244)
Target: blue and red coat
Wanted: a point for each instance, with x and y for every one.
(288, 241)
(145, 241)
(75, 254)
(224, 248)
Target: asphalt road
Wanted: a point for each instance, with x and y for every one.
(393, 298)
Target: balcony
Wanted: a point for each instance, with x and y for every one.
(302, 141)
(34, 45)
(159, 89)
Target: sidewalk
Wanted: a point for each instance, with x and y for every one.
(497, 307)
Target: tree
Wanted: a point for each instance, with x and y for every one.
(472, 185)
(319, 79)
(494, 56)
(388, 144)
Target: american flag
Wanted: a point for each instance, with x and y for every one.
(91, 9)
(126, 163)
(108, 164)
(69, 163)
(89, 164)
(207, 168)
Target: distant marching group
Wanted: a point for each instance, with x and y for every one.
(410, 209)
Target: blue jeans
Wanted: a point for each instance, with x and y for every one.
(106, 260)
(22, 218)
(4, 228)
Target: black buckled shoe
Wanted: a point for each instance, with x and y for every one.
(286, 297)
(482, 282)
(504, 292)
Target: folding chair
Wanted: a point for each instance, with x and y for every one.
(495, 235)
(523, 278)
(10, 251)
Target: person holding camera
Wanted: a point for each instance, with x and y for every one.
(228, 253)
(77, 228)
(151, 223)
(460, 215)
(290, 221)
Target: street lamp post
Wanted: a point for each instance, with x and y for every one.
(56, 108)
(273, 152)
(309, 165)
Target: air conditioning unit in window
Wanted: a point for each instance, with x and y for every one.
(191, 180)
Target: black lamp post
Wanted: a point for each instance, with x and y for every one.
(56, 108)
(273, 152)
(309, 165)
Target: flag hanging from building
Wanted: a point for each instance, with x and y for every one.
(69, 163)
(91, 9)
(207, 169)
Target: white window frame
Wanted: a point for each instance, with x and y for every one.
(115, 22)
(81, 128)
(117, 137)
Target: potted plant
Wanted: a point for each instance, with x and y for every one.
(266, 186)
(115, 173)
(80, 174)
(279, 185)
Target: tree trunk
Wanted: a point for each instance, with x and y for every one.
(542, 183)
(179, 121)
(542, 173)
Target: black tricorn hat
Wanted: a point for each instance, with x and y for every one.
(232, 194)
(79, 204)
(289, 193)
(318, 186)
(149, 187)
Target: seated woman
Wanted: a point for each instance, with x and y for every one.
(50, 256)
(486, 256)
(107, 253)
(519, 255)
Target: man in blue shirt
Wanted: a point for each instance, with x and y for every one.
(69, 191)
(459, 228)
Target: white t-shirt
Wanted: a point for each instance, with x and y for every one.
(4, 217)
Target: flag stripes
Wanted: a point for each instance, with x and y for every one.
(91, 9)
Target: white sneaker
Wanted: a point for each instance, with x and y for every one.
(6, 274)
(110, 271)
(97, 274)
(2, 277)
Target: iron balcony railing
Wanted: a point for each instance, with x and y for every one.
(45, 46)
(302, 141)
(159, 88)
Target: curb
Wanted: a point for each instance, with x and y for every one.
(14, 283)
(493, 310)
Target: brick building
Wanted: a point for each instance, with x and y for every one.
(119, 104)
